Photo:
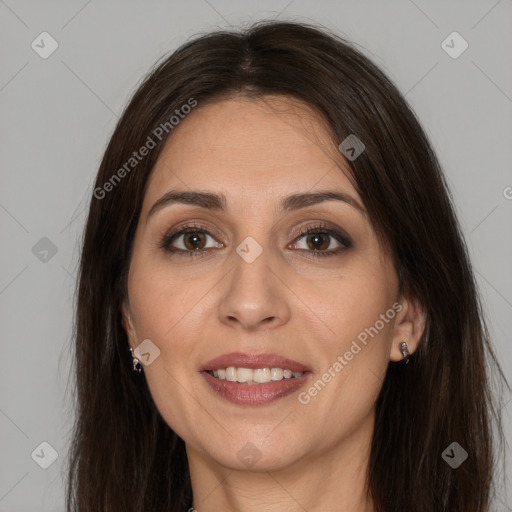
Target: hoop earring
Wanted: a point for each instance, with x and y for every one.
(136, 366)
(405, 352)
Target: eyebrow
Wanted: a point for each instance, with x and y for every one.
(217, 202)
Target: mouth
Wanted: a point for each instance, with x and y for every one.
(254, 379)
(252, 376)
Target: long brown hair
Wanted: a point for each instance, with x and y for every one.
(124, 457)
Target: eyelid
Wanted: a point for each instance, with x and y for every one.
(177, 231)
(318, 226)
(324, 226)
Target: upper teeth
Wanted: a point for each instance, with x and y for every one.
(259, 375)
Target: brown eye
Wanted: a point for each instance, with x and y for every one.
(322, 241)
(190, 241)
(194, 240)
(318, 241)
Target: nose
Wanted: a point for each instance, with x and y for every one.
(254, 296)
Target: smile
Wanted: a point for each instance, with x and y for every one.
(254, 379)
(254, 376)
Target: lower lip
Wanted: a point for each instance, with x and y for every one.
(255, 394)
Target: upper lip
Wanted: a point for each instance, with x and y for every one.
(243, 360)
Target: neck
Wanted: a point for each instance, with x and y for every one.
(332, 480)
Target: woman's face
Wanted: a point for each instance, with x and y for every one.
(225, 274)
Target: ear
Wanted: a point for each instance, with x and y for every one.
(128, 324)
(409, 326)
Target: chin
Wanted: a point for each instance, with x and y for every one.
(253, 454)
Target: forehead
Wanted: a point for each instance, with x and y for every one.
(251, 148)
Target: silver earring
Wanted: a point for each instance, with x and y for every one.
(405, 352)
(136, 366)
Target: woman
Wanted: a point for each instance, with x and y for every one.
(276, 309)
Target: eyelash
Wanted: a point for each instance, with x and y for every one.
(321, 228)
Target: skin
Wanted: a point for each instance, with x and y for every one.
(313, 456)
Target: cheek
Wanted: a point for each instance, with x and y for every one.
(170, 311)
(351, 302)
(164, 312)
(343, 395)
(354, 349)
(158, 299)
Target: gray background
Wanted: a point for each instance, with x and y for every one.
(58, 113)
